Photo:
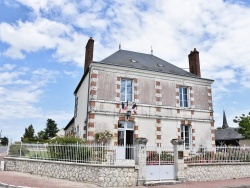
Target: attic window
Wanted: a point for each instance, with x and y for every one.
(160, 65)
(133, 61)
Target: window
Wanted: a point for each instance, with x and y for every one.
(186, 135)
(126, 90)
(184, 98)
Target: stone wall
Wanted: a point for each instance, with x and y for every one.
(103, 176)
(210, 172)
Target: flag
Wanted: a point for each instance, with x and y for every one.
(134, 108)
(123, 107)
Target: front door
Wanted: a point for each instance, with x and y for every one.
(125, 140)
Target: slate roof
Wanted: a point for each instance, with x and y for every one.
(124, 58)
(227, 134)
(70, 123)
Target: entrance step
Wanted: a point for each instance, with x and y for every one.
(167, 182)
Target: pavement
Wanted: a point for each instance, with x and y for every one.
(29, 180)
(25, 180)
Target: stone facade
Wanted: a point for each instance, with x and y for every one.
(210, 172)
(103, 176)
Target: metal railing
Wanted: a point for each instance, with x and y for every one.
(159, 155)
(222, 154)
(78, 153)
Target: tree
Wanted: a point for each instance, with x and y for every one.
(29, 132)
(244, 125)
(41, 135)
(4, 141)
(51, 129)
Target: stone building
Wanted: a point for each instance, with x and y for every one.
(135, 95)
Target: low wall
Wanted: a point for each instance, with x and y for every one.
(103, 176)
(217, 171)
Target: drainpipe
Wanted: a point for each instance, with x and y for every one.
(87, 112)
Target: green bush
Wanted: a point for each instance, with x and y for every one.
(69, 149)
(15, 150)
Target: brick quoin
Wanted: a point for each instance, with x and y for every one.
(135, 80)
(158, 109)
(158, 91)
(90, 133)
(158, 83)
(92, 103)
(118, 78)
(178, 111)
(93, 92)
(158, 99)
(158, 120)
(91, 116)
(121, 118)
(93, 75)
(91, 124)
(158, 137)
(158, 128)
(93, 84)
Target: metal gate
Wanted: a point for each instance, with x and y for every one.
(160, 163)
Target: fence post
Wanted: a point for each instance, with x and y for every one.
(179, 159)
(140, 159)
(20, 153)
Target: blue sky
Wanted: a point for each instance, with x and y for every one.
(42, 46)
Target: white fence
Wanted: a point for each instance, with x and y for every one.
(79, 153)
(220, 154)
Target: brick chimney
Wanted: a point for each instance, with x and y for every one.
(194, 63)
(89, 53)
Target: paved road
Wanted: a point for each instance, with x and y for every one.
(3, 149)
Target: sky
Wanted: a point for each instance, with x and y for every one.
(42, 50)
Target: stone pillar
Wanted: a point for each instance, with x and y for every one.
(140, 159)
(179, 159)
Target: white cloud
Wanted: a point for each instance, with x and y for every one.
(218, 29)
(21, 90)
(73, 74)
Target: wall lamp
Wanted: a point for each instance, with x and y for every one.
(128, 114)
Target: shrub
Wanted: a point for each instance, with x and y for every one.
(15, 150)
(69, 149)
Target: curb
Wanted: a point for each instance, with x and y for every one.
(12, 186)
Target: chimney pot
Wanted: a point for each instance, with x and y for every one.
(89, 53)
(194, 63)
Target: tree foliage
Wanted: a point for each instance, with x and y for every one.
(51, 129)
(41, 135)
(67, 140)
(29, 132)
(4, 141)
(244, 125)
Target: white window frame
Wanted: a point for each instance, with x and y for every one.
(183, 136)
(132, 91)
(181, 93)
